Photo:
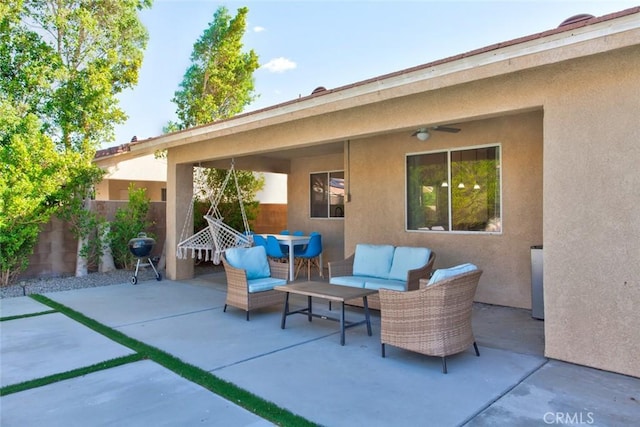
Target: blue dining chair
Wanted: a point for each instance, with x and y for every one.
(285, 248)
(259, 240)
(274, 251)
(298, 248)
(311, 255)
(302, 248)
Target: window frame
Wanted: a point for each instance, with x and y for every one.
(310, 188)
(448, 152)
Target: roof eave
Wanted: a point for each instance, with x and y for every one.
(539, 46)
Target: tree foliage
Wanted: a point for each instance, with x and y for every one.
(209, 185)
(62, 64)
(31, 171)
(89, 52)
(219, 83)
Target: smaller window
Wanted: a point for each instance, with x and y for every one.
(326, 194)
(163, 194)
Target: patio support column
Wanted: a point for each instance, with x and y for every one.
(179, 197)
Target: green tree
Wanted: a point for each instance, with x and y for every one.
(218, 85)
(31, 171)
(209, 185)
(95, 49)
(62, 64)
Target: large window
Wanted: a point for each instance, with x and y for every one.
(327, 194)
(456, 190)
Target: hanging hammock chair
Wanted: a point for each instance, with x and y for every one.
(210, 242)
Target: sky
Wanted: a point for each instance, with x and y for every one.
(305, 44)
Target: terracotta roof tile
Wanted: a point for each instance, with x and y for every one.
(112, 151)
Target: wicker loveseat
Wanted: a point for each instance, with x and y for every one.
(382, 267)
(434, 320)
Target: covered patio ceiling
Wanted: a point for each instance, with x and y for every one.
(278, 159)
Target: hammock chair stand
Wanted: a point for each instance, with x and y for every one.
(218, 236)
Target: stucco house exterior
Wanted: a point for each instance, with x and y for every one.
(145, 171)
(150, 172)
(548, 140)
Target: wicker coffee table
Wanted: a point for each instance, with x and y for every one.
(328, 292)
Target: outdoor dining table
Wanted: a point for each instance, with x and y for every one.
(291, 241)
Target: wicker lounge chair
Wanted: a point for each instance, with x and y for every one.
(434, 320)
(238, 294)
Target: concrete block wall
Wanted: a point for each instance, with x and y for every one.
(55, 252)
(272, 218)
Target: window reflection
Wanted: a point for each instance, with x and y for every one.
(455, 190)
(319, 195)
(336, 194)
(327, 194)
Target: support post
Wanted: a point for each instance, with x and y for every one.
(179, 196)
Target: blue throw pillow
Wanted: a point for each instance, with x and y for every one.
(446, 273)
(373, 260)
(253, 260)
(406, 258)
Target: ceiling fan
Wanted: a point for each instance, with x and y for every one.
(423, 133)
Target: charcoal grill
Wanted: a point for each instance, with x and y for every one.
(140, 247)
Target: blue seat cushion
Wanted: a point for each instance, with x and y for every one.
(396, 285)
(264, 284)
(355, 282)
(253, 260)
(373, 260)
(407, 258)
(446, 273)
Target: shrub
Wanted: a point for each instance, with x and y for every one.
(128, 222)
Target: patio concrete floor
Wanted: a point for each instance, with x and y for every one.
(302, 368)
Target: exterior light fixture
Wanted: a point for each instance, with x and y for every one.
(422, 134)
(461, 185)
(445, 184)
(476, 186)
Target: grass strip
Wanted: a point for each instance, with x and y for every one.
(22, 316)
(229, 391)
(39, 382)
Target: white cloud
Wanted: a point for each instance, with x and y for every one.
(280, 65)
(258, 29)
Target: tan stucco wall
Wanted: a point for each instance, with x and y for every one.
(580, 115)
(142, 168)
(591, 216)
(298, 218)
(115, 189)
(145, 172)
(179, 198)
(376, 213)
